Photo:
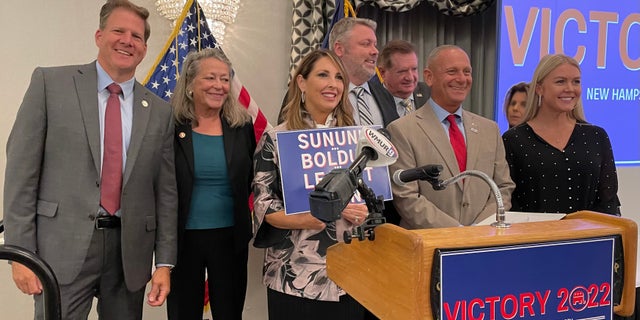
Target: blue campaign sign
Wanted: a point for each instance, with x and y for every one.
(307, 155)
(558, 280)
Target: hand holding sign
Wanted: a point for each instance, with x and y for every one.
(335, 190)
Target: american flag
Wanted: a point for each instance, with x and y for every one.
(192, 33)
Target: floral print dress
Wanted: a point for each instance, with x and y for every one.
(296, 265)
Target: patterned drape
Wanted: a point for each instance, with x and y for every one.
(461, 7)
(389, 5)
(446, 7)
(470, 24)
(311, 18)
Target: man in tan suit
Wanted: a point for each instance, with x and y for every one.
(422, 138)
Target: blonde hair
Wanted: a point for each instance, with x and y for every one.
(292, 112)
(546, 65)
(182, 102)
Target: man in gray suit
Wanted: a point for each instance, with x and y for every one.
(423, 137)
(398, 67)
(52, 199)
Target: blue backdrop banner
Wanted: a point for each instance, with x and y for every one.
(603, 36)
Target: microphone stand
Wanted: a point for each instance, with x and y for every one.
(334, 192)
(375, 206)
(500, 214)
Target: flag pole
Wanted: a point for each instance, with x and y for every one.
(172, 41)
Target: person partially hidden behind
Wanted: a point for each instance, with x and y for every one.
(398, 67)
(401, 91)
(515, 103)
(90, 180)
(441, 132)
(295, 269)
(559, 162)
(214, 146)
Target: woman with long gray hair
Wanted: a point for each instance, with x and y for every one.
(214, 146)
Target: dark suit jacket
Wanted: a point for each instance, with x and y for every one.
(388, 105)
(239, 146)
(52, 181)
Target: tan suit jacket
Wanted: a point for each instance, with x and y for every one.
(421, 140)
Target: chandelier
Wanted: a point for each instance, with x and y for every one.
(219, 13)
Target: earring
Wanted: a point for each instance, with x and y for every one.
(190, 94)
(539, 100)
(302, 97)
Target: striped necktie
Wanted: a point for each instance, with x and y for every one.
(363, 109)
(408, 106)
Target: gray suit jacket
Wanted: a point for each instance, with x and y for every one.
(420, 140)
(52, 191)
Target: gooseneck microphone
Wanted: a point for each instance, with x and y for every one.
(428, 172)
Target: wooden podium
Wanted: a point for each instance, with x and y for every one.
(391, 276)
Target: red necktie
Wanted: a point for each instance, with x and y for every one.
(111, 183)
(457, 142)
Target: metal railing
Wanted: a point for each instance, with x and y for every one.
(51, 291)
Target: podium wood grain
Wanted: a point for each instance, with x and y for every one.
(391, 275)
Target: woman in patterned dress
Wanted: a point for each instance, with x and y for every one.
(295, 270)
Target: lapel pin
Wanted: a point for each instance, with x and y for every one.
(419, 95)
(474, 130)
(182, 135)
(145, 103)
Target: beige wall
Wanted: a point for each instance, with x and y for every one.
(55, 32)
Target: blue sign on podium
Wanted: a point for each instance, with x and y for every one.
(556, 280)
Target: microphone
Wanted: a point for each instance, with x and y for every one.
(384, 153)
(332, 194)
(430, 172)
